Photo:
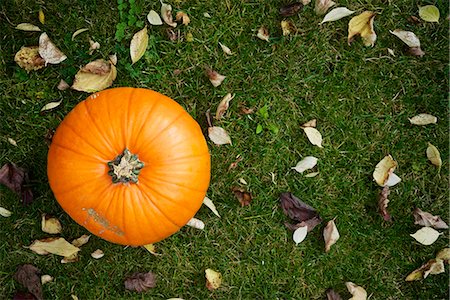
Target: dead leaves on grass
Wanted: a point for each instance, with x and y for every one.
(95, 76)
(30, 277)
(140, 282)
(362, 25)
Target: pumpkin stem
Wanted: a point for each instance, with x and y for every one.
(125, 167)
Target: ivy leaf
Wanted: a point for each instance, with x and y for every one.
(362, 25)
(138, 45)
(429, 13)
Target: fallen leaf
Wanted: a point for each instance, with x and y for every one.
(391, 52)
(296, 209)
(41, 16)
(79, 31)
(140, 282)
(27, 27)
(12, 141)
(290, 9)
(426, 219)
(423, 119)
(434, 156)
(138, 45)
(330, 235)
(213, 279)
(357, 292)
(337, 14)
(208, 202)
(223, 106)
(51, 105)
(153, 18)
(322, 6)
(58, 246)
(49, 52)
(23, 296)
(444, 254)
(310, 223)
(28, 58)
(62, 86)
(243, 196)
(172, 35)
(429, 13)
(310, 123)
(288, 27)
(383, 203)
(196, 223)
(70, 259)
(97, 254)
(384, 170)
(29, 276)
(415, 52)
(189, 37)
(4, 212)
(408, 37)
(246, 110)
(333, 295)
(152, 249)
(314, 136)
(206, 15)
(433, 266)
(82, 240)
(242, 181)
(16, 179)
(183, 17)
(312, 174)
(300, 234)
(74, 297)
(46, 279)
(362, 25)
(307, 163)
(218, 135)
(305, 2)
(215, 78)
(50, 224)
(166, 14)
(233, 165)
(263, 33)
(93, 46)
(426, 236)
(95, 76)
(113, 59)
(225, 49)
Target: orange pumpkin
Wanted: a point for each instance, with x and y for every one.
(130, 165)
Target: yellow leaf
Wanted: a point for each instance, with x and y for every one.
(51, 105)
(288, 27)
(28, 58)
(362, 25)
(434, 156)
(183, 17)
(50, 224)
(444, 254)
(79, 31)
(383, 170)
(58, 246)
(95, 76)
(429, 13)
(27, 27)
(138, 44)
(151, 248)
(4, 212)
(213, 279)
(41, 16)
(357, 292)
(81, 240)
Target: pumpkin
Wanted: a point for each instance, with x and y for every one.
(130, 165)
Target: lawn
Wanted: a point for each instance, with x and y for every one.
(361, 97)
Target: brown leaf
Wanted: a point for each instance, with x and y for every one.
(291, 9)
(426, 219)
(414, 20)
(140, 282)
(29, 276)
(29, 59)
(223, 106)
(233, 165)
(416, 51)
(23, 296)
(172, 35)
(183, 17)
(16, 178)
(215, 78)
(310, 123)
(244, 197)
(332, 295)
(295, 209)
(246, 110)
(263, 33)
(383, 203)
(311, 224)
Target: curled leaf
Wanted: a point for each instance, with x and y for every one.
(138, 45)
(213, 279)
(153, 18)
(314, 136)
(82, 240)
(196, 223)
(426, 236)
(337, 14)
(16, 179)
(166, 14)
(263, 33)
(310, 223)
(50, 224)
(62, 86)
(151, 248)
(29, 276)
(322, 6)
(93, 46)
(416, 51)
(208, 202)
(434, 156)
(27, 27)
(307, 163)
(408, 37)
(58, 246)
(310, 123)
(79, 31)
(97, 254)
(429, 13)
(444, 254)
(288, 27)
(28, 58)
(140, 282)
(46, 279)
(362, 25)
(383, 171)
(300, 234)
(357, 292)
(215, 78)
(4, 212)
(183, 17)
(225, 49)
(51, 105)
(296, 209)
(95, 76)
(330, 235)
(41, 16)
(223, 105)
(290, 9)
(433, 266)
(332, 295)
(218, 135)
(243, 196)
(12, 141)
(383, 203)
(423, 119)
(48, 51)
(426, 219)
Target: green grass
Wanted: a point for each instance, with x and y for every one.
(361, 97)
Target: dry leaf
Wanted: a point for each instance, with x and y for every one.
(206, 15)
(234, 164)
(307, 163)
(223, 106)
(79, 31)
(314, 136)
(153, 18)
(4, 212)
(291, 9)
(337, 14)
(305, 2)
(426, 236)
(138, 44)
(82, 240)
(183, 17)
(16, 179)
(27, 27)
(93, 46)
(213, 279)
(310, 123)
(383, 203)
(62, 86)
(332, 295)
(296, 209)
(384, 170)
(434, 156)
(429, 13)
(322, 6)
(310, 223)
(51, 105)
(408, 37)
(70, 259)
(12, 141)
(300, 234)
(208, 202)
(196, 223)
(50, 224)
(152, 249)
(97, 254)
(218, 135)
(444, 254)
(330, 235)
(58, 246)
(140, 282)
(113, 59)
(166, 14)
(362, 25)
(415, 52)
(391, 52)
(41, 16)
(263, 33)
(48, 51)
(29, 276)
(225, 49)
(357, 292)
(426, 219)
(95, 76)
(28, 58)
(433, 266)
(189, 37)
(312, 174)
(288, 27)
(46, 279)
(243, 196)
(423, 119)
(215, 78)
